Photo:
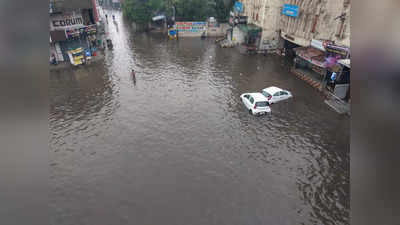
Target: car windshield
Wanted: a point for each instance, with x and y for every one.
(262, 104)
(266, 94)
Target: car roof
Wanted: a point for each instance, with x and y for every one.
(258, 97)
(272, 89)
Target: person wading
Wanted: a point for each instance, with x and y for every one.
(134, 76)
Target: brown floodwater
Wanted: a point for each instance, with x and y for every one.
(178, 147)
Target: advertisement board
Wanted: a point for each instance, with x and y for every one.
(290, 10)
(191, 27)
(65, 21)
(238, 7)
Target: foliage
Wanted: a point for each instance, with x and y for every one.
(141, 11)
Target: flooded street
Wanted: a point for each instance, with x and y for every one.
(178, 146)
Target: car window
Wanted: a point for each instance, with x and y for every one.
(251, 100)
(262, 104)
(266, 94)
(284, 93)
(246, 96)
(277, 93)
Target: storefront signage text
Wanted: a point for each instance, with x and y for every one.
(342, 51)
(67, 22)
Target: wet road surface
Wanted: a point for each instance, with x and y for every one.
(178, 147)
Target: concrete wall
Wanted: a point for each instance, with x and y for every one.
(319, 13)
(218, 31)
(265, 14)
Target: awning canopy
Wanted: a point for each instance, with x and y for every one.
(312, 55)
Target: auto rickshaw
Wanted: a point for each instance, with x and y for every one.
(76, 56)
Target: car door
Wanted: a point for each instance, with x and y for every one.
(284, 95)
(251, 103)
(276, 97)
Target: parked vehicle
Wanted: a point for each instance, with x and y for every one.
(275, 94)
(256, 103)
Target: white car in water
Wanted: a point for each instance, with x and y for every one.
(275, 94)
(256, 103)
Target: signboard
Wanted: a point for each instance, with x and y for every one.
(338, 50)
(192, 27)
(290, 10)
(63, 21)
(238, 7)
(242, 20)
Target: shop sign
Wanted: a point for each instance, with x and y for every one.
(290, 10)
(242, 19)
(338, 50)
(238, 7)
(66, 21)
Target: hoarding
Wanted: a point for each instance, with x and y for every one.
(191, 27)
(290, 10)
(238, 7)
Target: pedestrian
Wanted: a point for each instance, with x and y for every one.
(133, 75)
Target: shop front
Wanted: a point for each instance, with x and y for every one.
(252, 36)
(70, 31)
(338, 71)
(310, 62)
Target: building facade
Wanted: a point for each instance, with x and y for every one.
(73, 24)
(266, 15)
(320, 20)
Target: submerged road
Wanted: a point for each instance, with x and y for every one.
(178, 147)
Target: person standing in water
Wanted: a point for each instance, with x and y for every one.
(133, 76)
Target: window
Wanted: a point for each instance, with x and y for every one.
(262, 104)
(284, 93)
(251, 100)
(247, 96)
(266, 94)
(278, 93)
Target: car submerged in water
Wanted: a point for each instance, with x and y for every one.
(256, 103)
(275, 94)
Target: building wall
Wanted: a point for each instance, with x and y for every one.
(265, 14)
(70, 5)
(321, 14)
(317, 19)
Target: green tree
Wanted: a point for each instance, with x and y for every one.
(142, 11)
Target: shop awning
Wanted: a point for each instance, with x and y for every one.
(312, 55)
(249, 28)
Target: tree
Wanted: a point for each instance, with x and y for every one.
(142, 11)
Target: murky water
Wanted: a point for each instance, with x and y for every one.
(178, 146)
